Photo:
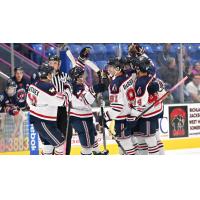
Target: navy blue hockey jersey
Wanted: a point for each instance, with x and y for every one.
(8, 104)
(21, 92)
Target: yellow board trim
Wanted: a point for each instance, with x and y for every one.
(171, 144)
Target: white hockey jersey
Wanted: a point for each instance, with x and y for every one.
(121, 97)
(43, 100)
(81, 100)
(147, 91)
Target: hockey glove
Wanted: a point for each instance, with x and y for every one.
(13, 110)
(99, 88)
(104, 119)
(84, 54)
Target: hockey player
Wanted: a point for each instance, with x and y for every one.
(22, 87)
(147, 90)
(43, 101)
(121, 97)
(8, 99)
(81, 116)
(9, 103)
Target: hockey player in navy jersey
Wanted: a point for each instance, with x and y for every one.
(9, 104)
(8, 99)
(147, 90)
(81, 115)
(22, 87)
(121, 97)
(43, 101)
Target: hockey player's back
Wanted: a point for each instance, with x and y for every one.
(44, 100)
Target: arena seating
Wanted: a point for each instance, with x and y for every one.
(101, 52)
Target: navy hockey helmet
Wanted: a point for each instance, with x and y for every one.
(45, 69)
(76, 72)
(116, 63)
(144, 64)
(54, 58)
(10, 88)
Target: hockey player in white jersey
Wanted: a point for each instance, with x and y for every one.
(121, 97)
(43, 101)
(81, 115)
(147, 90)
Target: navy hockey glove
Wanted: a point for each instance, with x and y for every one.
(104, 119)
(84, 54)
(99, 88)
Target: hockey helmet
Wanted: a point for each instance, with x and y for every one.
(116, 63)
(10, 88)
(54, 58)
(44, 70)
(144, 64)
(76, 72)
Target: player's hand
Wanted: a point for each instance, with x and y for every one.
(98, 88)
(84, 54)
(14, 111)
(102, 121)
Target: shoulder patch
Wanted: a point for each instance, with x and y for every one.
(114, 88)
(139, 91)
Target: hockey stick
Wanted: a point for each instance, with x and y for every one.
(102, 103)
(68, 118)
(103, 124)
(92, 65)
(116, 140)
(162, 98)
(71, 57)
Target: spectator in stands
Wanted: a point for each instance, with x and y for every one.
(169, 74)
(164, 55)
(186, 62)
(196, 68)
(22, 87)
(193, 88)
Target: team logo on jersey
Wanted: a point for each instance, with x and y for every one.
(114, 88)
(21, 95)
(139, 91)
(1, 97)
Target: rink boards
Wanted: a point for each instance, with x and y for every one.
(179, 129)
